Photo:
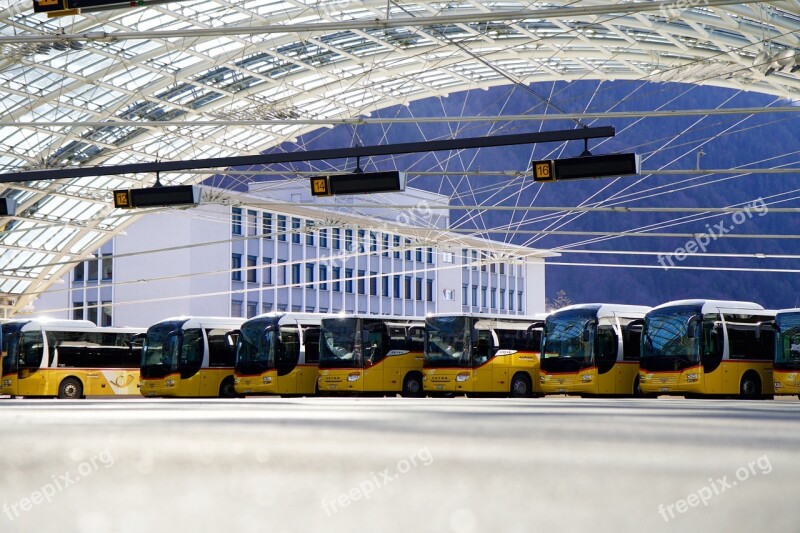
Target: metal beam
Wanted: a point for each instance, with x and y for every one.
(313, 155)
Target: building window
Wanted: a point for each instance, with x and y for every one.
(266, 225)
(337, 274)
(483, 296)
(78, 272)
(464, 300)
(236, 267)
(493, 268)
(483, 261)
(281, 272)
(295, 274)
(408, 288)
(281, 230)
(418, 289)
(373, 241)
(408, 249)
(502, 298)
(348, 280)
(361, 244)
(430, 256)
(337, 238)
(419, 255)
(77, 311)
(475, 296)
(236, 308)
(362, 289)
(447, 294)
(510, 300)
(373, 283)
(93, 269)
(309, 233)
(295, 230)
(236, 221)
(266, 277)
(108, 268)
(429, 290)
(266, 308)
(448, 257)
(323, 277)
(91, 309)
(323, 238)
(474, 260)
(252, 222)
(252, 309)
(310, 275)
(519, 301)
(396, 243)
(464, 256)
(385, 286)
(494, 298)
(385, 242)
(502, 268)
(396, 283)
(348, 240)
(251, 269)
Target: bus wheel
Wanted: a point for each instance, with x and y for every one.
(637, 388)
(521, 386)
(750, 389)
(412, 386)
(70, 389)
(227, 389)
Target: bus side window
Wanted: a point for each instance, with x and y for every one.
(31, 348)
(375, 343)
(416, 339)
(632, 340)
(606, 348)
(311, 343)
(483, 346)
(220, 352)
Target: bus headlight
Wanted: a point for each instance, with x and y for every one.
(586, 378)
(236, 380)
(353, 377)
(691, 377)
(647, 377)
(170, 383)
(266, 380)
(462, 377)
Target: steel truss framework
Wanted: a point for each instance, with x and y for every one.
(66, 82)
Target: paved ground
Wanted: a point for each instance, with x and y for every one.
(386, 465)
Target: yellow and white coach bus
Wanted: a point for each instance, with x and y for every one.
(368, 354)
(708, 347)
(69, 359)
(592, 349)
(786, 366)
(480, 354)
(190, 357)
(278, 353)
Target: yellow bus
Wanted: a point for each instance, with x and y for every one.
(370, 355)
(278, 353)
(786, 366)
(708, 347)
(479, 354)
(190, 357)
(69, 359)
(592, 349)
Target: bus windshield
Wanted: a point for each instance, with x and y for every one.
(161, 349)
(787, 353)
(563, 336)
(666, 334)
(337, 347)
(446, 339)
(11, 348)
(255, 350)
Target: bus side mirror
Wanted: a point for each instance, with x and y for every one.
(585, 336)
(690, 331)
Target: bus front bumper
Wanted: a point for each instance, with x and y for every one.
(568, 383)
(786, 382)
(347, 381)
(448, 380)
(266, 383)
(160, 387)
(689, 381)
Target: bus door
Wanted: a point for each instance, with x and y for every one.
(31, 381)
(711, 349)
(190, 360)
(287, 355)
(398, 361)
(628, 360)
(308, 372)
(606, 346)
(221, 355)
(375, 344)
(483, 349)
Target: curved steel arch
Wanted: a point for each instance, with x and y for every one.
(345, 72)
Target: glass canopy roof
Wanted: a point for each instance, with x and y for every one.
(213, 78)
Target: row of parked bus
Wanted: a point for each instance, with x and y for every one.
(687, 347)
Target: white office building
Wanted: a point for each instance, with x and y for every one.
(275, 248)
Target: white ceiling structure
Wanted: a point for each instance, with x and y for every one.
(215, 78)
